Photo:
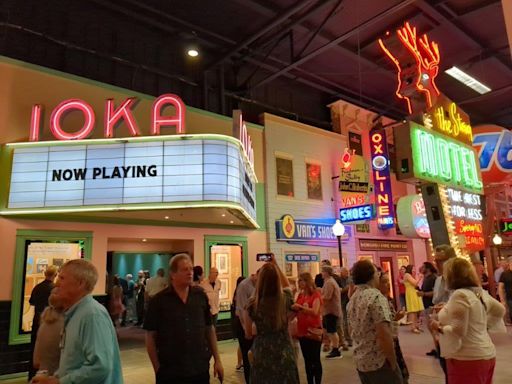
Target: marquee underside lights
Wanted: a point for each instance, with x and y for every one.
(382, 180)
(443, 160)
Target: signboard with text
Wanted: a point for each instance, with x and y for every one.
(382, 245)
(358, 213)
(157, 171)
(382, 180)
(308, 231)
(301, 258)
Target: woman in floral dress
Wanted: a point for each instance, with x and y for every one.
(266, 319)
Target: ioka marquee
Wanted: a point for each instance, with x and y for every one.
(168, 171)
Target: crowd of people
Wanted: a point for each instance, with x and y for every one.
(75, 339)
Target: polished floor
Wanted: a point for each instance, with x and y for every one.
(423, 369)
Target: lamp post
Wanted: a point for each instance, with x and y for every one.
(339, 230)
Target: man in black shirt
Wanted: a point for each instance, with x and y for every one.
(505, 288)
(180, 337)
(39, 299)
(429, 280)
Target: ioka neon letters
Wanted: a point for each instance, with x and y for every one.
(113, 117)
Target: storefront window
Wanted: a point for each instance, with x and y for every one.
(35, 252)
(314, 181)
(284, 174)
(39, 256)
(228, 260)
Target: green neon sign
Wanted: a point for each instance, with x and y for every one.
(443, 160)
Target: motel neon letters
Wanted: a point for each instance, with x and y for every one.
(112, 118)
(441, 159)
(381, 178)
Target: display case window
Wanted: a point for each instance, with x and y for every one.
(35, 252)
(229, 262)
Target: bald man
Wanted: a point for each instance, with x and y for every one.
(212, 288)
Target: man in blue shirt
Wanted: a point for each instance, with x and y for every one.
(89, 348)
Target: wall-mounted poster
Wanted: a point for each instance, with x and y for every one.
(224, 289)
(314, 181)
(222, 263)
(284, 174)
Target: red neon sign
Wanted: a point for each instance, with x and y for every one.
(426, 56)
(63, 109)
(346, 159)
(241, 133)
(112, 118)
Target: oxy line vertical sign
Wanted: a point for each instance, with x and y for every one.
(382, 179)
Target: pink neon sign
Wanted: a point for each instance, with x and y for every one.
(113, 117)
(240, 132)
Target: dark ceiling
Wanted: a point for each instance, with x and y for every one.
(286, 57)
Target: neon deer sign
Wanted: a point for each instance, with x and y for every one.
(420, 76)
(113, 117)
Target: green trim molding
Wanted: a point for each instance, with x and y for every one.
(261, 211)
(22, 235)
(210, 240)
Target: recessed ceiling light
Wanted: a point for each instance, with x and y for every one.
(192, 52)
(223, 215)
(468, 80)
(231, 222)
(144, 240)
(166, 217)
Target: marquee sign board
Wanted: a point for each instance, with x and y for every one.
(156, 170)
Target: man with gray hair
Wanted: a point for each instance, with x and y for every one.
(180, 337)
(89, 348)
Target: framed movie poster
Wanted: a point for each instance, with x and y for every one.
(314, 181)
(284, 174)
(222, 263)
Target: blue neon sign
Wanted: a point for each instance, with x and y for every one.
(359, 213)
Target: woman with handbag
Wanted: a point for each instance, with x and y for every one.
(464, 323)
(309, 326)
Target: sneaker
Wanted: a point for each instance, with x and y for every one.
(334, 354)
(344, 347)
(433, 353)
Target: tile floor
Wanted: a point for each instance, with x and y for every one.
(423, 369)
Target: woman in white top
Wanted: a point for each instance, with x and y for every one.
(463, 326)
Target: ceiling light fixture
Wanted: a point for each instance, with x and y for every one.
(192, 52)
(223, 215)
(144, 240)
(467, 80)
(166, 217)
(231, 222)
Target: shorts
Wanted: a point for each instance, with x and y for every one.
(329, 322)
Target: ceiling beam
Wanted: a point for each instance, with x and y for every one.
(322, 38)
(456, 27)
(485, 96)
(336, 41)
(279, 19)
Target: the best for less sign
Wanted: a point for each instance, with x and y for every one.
(167, 169)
